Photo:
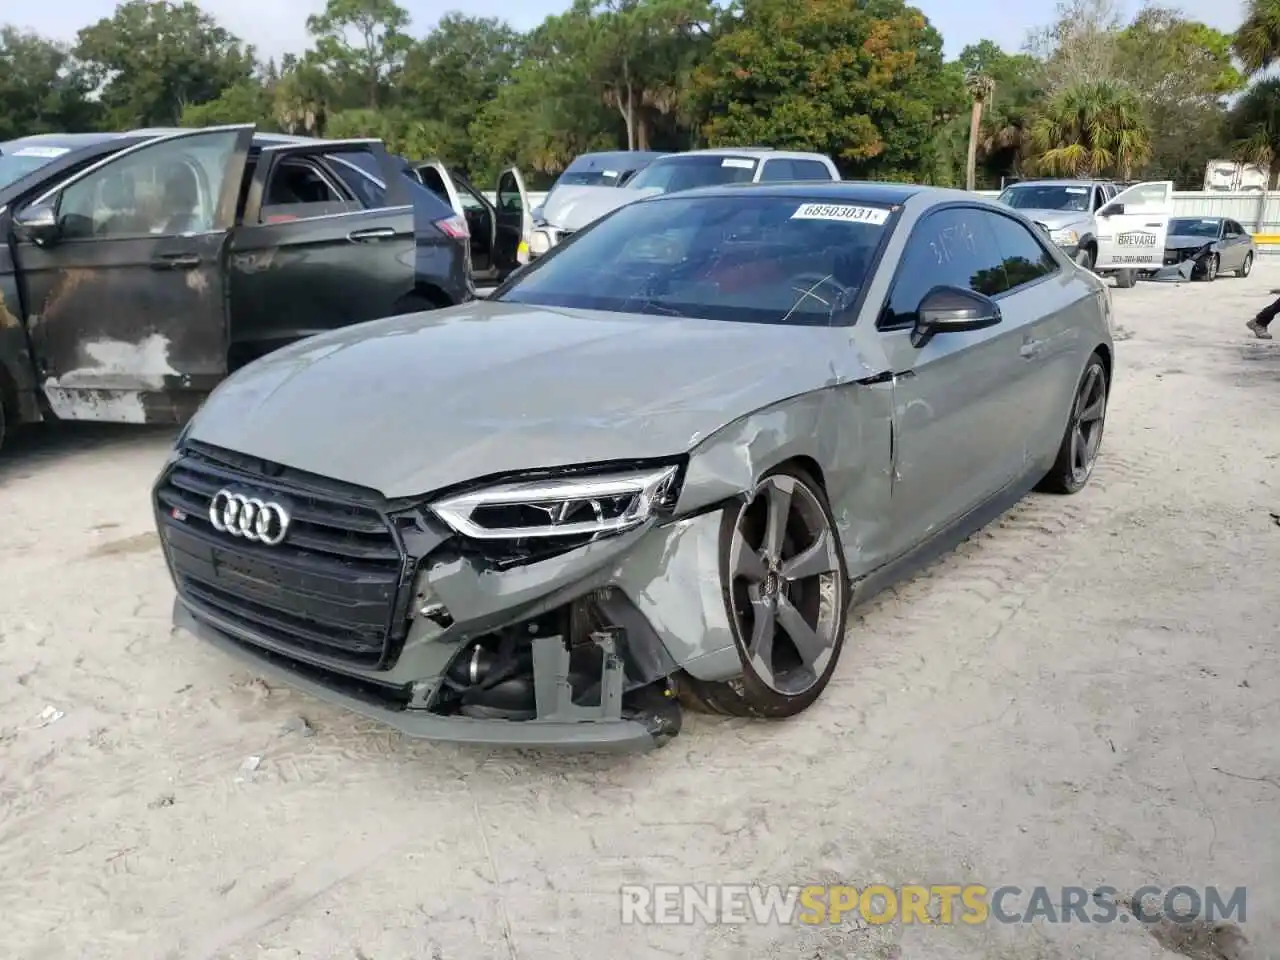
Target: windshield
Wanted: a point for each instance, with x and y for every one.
(589, 178)
(685, 173)
(1047, 196)
(23, 160)
(754, 259)
(1195, 227)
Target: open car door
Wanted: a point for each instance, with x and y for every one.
(1133, 226)
(325, 239)
(123, 274)
(515, 222)
(470, 204)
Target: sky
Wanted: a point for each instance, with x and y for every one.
(279, 26)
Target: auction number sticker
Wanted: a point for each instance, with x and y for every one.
(740, 162)
(840, 211)
(48, 153)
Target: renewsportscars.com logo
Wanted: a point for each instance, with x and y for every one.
(941, 904)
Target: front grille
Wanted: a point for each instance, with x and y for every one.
(332, 587)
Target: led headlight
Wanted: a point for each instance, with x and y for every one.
(539, 243)
(567, 507)
(1064, 238)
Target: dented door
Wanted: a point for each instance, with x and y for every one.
(125, 299)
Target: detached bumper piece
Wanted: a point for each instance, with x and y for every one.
(559, 725)
(1180, 265)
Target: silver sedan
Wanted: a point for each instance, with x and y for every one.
(656, 467)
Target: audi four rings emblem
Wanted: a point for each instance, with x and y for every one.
(262, 521)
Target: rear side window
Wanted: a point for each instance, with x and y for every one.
(951, 247)
(1023, 257)
(360, 172)
(810, 170)
(777, 170)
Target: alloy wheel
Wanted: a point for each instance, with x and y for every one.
(1211, 268)
(1087, 420)
(1248, 265)
(785, 585)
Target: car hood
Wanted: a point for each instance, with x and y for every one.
(1057, 219)
(1182, 241)
(412, 404)
(573, 207)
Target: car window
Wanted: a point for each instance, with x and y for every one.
(433, 180)
(1207, 227)
(360, 173)
(1023, 257)
(164, 189)
(950, 247)
(810, 170)
(508, 194)
(751, 259)
(673, 174)
(300, 189)
(1047, 196)
(777, 170)
(1233, 227)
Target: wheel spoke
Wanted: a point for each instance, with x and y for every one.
(760, 647)
(809, 645)
(1077, 448)
(818, 558)
(1093, 412)
(1086, 391)
(779, 509)
(745, 562)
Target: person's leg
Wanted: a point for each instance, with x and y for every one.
(1263, 320)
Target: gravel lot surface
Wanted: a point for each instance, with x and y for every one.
(1088, 692)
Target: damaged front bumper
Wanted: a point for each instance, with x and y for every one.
(562, 725)
(1183, 264)
(580, 648)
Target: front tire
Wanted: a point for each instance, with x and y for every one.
(1211, 268)
(1085, 258)
(786, 593)
(1082, 440)
(1126, 278)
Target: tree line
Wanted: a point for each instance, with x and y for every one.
(865, 81)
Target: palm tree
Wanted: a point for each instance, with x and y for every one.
(981, 88)
(1090, 128)
(1257, 41)
(1255, 123)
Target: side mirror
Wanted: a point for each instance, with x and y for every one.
(37, 223)
(952, 310)
(1112, 210)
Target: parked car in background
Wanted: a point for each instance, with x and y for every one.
(1211, 245)
(1103, 227)
(139, 268)
(497, 229)
(573, 208)
(657, 466)
(611, 168)
(1065, 208)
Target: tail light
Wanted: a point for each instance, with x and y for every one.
(455, 227)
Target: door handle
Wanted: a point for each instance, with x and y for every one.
(1156, 224)
(373, 233)
(175, 261)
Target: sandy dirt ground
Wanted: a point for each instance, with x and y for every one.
(1086, 693)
